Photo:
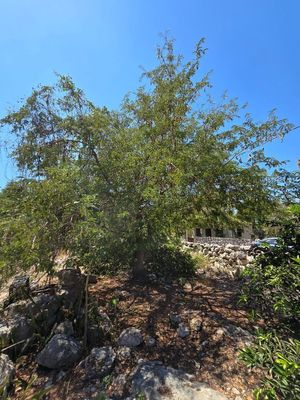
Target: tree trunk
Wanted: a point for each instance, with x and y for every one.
(139, 270)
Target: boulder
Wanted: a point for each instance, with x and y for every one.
(5, 334)
(234, 247)
(156, 382)
(245, 248)
(7, 371)
(42, 308)
(71, 278)
(61, 352)
(99, 362)
(21, 328)
(72, 283)
(19, 288)
(130, 337)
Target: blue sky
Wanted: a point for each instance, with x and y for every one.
(253, 50)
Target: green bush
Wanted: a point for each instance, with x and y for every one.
(280, 358)
(272, 289)
(172, 262)
(272, 282)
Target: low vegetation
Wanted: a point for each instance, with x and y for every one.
(280, 358)
(272, 290)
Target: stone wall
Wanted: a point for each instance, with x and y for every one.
(222, 241)
(224, 257)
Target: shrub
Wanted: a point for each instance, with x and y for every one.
(280, 358)
(171, 261)
(272, 288)
(272, 283)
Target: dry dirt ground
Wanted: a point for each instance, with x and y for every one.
(208, 354)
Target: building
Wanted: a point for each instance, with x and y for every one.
(245, 232)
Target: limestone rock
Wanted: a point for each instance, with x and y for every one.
(19, 289)
(21, 328)
(43, 309)
(7, 371)
(99, 362)
(70, 278)
(61, 352)
(237, 334)
(72, 282)
(5, 334)
(130, 337)
(157, 382)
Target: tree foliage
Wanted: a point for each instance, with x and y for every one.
(119, 184)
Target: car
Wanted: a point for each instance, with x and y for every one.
(260, 244)
(266, 242)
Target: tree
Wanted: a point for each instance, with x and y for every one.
(37, 220)
(170, 154)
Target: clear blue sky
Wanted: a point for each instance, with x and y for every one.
(254, 51)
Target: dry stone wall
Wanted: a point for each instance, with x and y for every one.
(226, 258)
(223, 241)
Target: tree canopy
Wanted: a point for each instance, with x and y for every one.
(110, 187)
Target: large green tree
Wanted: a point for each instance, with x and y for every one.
(168, 156)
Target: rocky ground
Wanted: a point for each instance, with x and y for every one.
(161, 341)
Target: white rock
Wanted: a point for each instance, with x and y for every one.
(149, 377)
(130, 337)
(5, 334)
(7, 371)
